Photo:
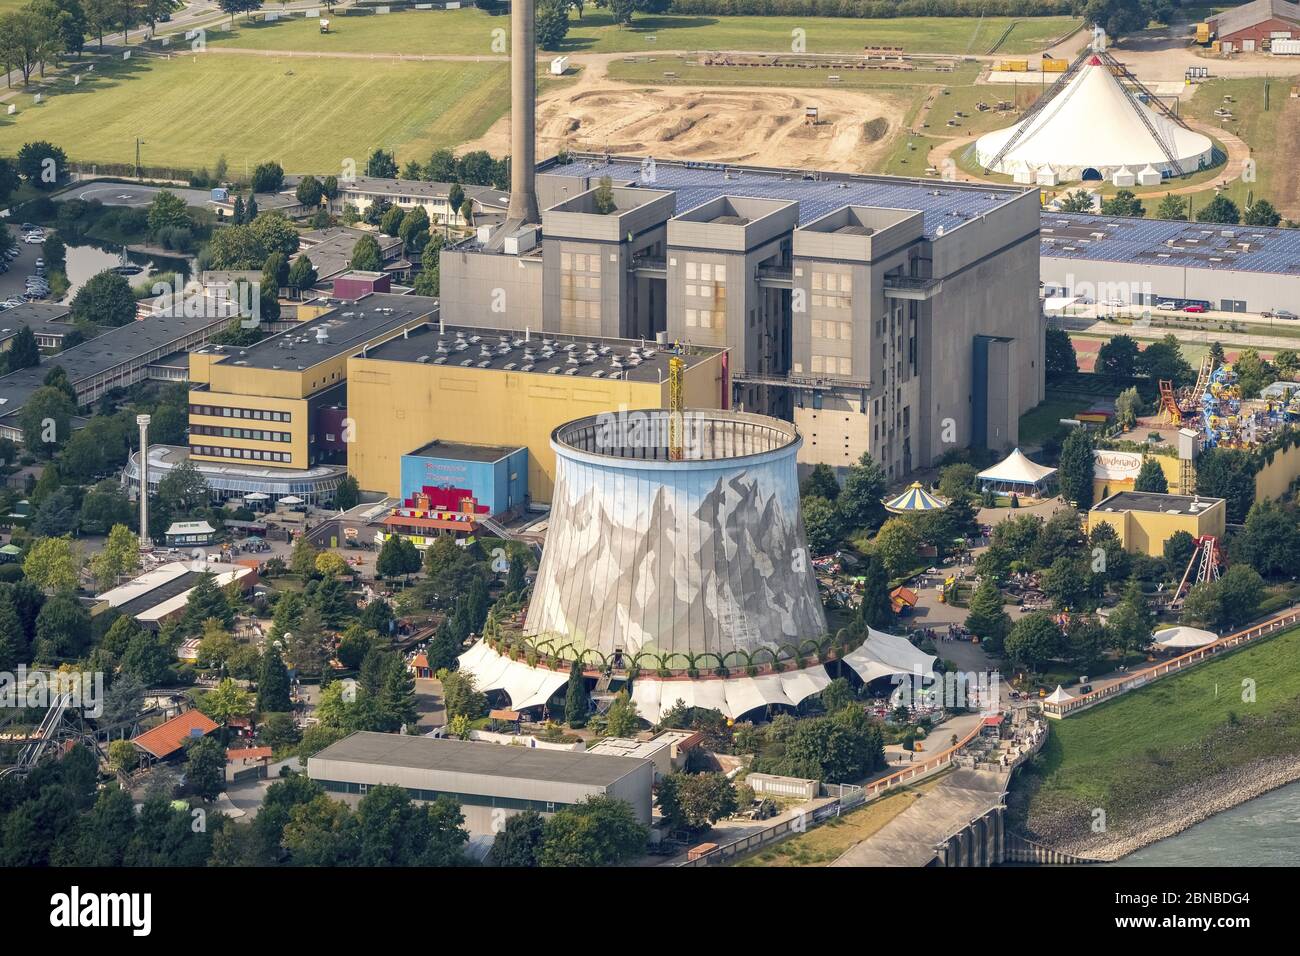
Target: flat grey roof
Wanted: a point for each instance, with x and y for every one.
(348, 327)
(506, 350)
(1156, 503)
(946, 204)
(460, 451)
(109, 350)
(484, 759)
(420, 189)
(330, 250)
(35, 315)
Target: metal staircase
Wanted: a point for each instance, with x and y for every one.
(1123, 74)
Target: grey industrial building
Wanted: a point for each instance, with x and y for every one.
(481, 777)
(879, 314)
(1149, 261)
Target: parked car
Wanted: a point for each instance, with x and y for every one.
(1167, 307)
(1285, 314)
(1194, 308)
(30, 227)
(40, 262)
(13, 253)
(34, 238)
(13, 300)
(32, 296)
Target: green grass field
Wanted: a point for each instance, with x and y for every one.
(306, 114)
(1124, 755)
(470, 32)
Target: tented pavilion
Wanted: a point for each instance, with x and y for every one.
(1089, 126)
(1183, 638)
(1059, 696)
(914, 500)
(1017, 474)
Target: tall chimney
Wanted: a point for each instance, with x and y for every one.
(143, 422)
(523, 121)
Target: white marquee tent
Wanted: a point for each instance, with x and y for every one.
(1016, 473)
(526, 686)
(732, 696)
(1183, 638)
(884, 655)
(1058, 696)
(1092, 129)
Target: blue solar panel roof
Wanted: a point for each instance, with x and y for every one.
(944, 204)
(1200, 245)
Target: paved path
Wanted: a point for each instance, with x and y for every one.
(910, 838)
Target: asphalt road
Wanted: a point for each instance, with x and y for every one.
(14, 282)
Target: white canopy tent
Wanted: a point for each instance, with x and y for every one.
(526, 686)
(1016, 473)
(733, 696)
(884, 655)
(1172, 638)
(1093, 128)
(1058, 696)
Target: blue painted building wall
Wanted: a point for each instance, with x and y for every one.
(498, 485)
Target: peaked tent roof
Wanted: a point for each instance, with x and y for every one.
(733, 696)
(914, 499)
(1093, 122)
(525, 686)
(1184, 637)
(1058, 696)
(1017, 469)
(883, 655)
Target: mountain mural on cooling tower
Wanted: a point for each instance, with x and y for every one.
(682, 561)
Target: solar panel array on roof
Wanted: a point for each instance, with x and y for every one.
(1202, 245)
(946, 205)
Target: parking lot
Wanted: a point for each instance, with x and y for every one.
(14, 281)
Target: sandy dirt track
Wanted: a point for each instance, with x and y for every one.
(719, 124)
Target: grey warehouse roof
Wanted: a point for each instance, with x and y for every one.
(1163, 242)
(482, 759)
(944, 204)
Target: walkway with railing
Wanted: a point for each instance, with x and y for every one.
(1141, 678)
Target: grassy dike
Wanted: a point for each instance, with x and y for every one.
(1164, 757)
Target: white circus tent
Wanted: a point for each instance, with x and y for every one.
(1016, 473)
(1183, 638)
(1090, 128)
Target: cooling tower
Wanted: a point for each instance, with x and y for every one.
(523, 105)
(702, 555)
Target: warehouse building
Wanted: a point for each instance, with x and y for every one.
(483, 778)
(1150, 261)
(855, 305)
(1254, 26)
(1145, 520)
(463, 385)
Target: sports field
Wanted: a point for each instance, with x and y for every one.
(471, 32)
(305, 114)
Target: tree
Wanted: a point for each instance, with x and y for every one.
(53, 563)
(820, 483)
(876, 609)
(168, 211)
(576, 700)
(302, 275)
(604, 197)
(120, 555)
(1270, 542)
(621, 718)
(331, 563)
(1151, 477)
(1240, 590)
(694, 802)
(599, 831)
(987, 620)
(366, 256)
(859, 499)
(957, 480)
(391, 221)
(1123, 203)
(897, 544)
(1253, 372)
(1172, 207)
(42, 164)
(1119, 358)
(226, 701)
(206, 602)
(46, 420)
(23, 350)
(309, 192)
(62, 630)
(381, 165)
(460, 698)
(1129, 625)
(1033, 641)
(267, 178)
(1164, 360)
(519, 841)
(303, 559)
(1075, 469)
(1078, 200)
(1227, 473)
(821, 524)
(1220, 209)
(1066, 582)
(105, 299)
(147, 658)
(1262, 213)
(552, 23)
(320, 832)
(1128, 405)
(1178, 550)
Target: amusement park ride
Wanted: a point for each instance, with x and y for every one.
(1214, 407)
(1204, 564)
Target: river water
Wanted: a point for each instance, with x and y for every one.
(1261, 832)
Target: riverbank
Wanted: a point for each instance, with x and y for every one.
(1185, 809)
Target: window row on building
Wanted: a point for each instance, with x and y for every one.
(247, 454)
(464, 799)
(706, 271)
(251, 434)
(257, 414)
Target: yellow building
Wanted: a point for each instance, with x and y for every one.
(1144, 520)
(494, 387)
(282, 402)
(1116, 471)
